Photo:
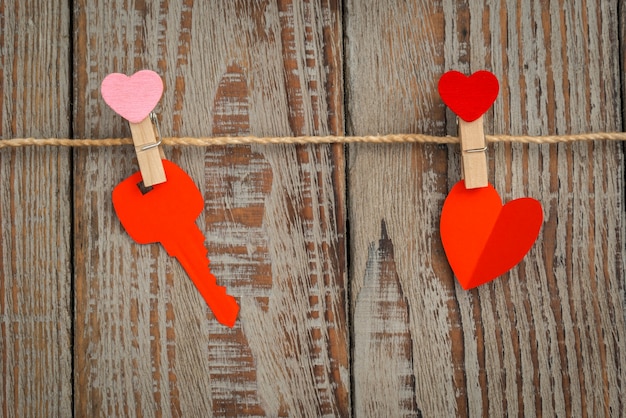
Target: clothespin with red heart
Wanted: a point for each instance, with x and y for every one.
(134, 98)
(470, 97)
(482, 238)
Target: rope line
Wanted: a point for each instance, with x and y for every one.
(374, 139)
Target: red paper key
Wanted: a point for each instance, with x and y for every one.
(167, 213)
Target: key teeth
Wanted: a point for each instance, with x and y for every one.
(224, 306)
(200, 239)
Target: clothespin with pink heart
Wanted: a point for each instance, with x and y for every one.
(482, 238)
(134, 98)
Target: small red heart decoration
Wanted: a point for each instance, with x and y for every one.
(484, 239)
(134, 97)
(468, 97)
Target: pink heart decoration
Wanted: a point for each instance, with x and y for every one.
(134, 97)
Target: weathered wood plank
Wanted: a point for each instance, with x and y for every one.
(35, 255)
(387, 340)
(546, 338)
(274, 222)
(621, 6)
(564, 77)
(393, 65)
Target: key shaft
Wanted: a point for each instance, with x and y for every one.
(188, 248)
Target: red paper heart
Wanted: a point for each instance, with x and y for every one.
(132, 97)
(484, 239)
(468, 97)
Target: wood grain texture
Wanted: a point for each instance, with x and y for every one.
(146, 343)
(546, 339)
(386, 341)
(35, 255)
(403, 186)
(621, 8)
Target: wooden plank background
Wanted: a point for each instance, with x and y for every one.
(35, 211)
(349, 307)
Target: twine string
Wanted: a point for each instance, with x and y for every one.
(373, 139)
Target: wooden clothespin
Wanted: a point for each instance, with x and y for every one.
(134, 98)
(470, 97)
(149, 154)
(473, 153)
